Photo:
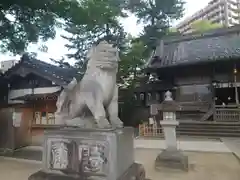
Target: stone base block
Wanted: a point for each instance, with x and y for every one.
(103, 153)
(134, 172)
(174, 159)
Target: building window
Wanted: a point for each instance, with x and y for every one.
(142, 96)
(44, 118)
(44, 113)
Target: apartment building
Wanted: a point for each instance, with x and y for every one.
(225, 12)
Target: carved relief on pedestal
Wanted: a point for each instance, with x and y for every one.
(59, 155)
(93, 157)
(86, 156)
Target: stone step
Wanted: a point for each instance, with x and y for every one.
(194, 128)
(208, 129)
(210, 134)
(209, 126)
(203, 134)
(223, 125)
(208, 122)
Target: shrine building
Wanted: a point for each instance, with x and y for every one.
(202, 70)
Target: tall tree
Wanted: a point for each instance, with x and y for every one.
(100, 22)
(132, 61)
(26, 21)
(129, 73)
(204, 25)
(156, 16)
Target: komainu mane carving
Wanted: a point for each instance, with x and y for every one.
(93, 102)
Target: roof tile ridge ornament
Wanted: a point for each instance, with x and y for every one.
(14, 66)
(149, 62)
(25, 58)
(158, 52)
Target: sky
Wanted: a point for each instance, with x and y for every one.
(56, 47)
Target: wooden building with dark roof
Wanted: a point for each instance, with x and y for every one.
(203, 70)
(31, 88)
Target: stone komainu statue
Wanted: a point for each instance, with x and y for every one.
(93, 102)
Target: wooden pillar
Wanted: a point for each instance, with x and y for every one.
(235, 84)
(213, 91)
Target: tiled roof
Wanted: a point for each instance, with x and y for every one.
(214, 45)
(61, 76)
(36, 96)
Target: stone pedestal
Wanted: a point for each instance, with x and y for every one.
(79, 153)
(171, 157)
(169, 129)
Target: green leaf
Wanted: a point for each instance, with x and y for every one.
(156, 15)
(27, 21)
(204, 25)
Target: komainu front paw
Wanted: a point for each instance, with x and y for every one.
(103, 124)
(116, 122)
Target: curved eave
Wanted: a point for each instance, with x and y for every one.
(153, 68)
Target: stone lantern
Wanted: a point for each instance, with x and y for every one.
(171, 157)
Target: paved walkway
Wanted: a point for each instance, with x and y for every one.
(185, 145)
(233, 144)
(203, 166)
(196, 145)
(16, 170)
(206, 145)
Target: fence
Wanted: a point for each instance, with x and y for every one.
(227, 114)
(147, 130)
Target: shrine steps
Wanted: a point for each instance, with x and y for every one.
(208, 128)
